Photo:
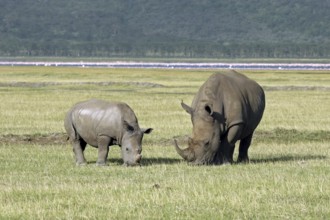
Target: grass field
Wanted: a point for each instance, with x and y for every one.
(288, 176)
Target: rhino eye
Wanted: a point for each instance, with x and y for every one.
(130, 128)
(126, 148)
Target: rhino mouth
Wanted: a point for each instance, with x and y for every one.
(128, 164)
(137, 161)
(188, 154)
(198, 163)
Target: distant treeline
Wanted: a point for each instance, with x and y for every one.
(187, 28)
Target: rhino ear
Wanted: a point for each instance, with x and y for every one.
(186, 107)
(147, 130)
(215, 115)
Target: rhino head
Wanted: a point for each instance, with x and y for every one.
(131, 144)
(205, 140)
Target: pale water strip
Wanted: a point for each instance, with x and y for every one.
(177, 65)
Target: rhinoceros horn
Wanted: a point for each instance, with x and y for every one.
(186, 154)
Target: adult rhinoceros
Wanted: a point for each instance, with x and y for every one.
(102, 124)
(228, 107)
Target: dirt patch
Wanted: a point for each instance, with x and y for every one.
(42, 139)
(155, 85)
(281, 135)
(149, 85)
(62, 139)
(278, 135)
(44, 84)
(296, 88)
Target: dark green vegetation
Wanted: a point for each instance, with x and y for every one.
(140, 28)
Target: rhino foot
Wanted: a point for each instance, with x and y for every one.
(243, 159)
(81, 163)
(101, 164)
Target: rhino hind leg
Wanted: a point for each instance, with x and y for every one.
(243, 149)
(79, 146)
(103, 143)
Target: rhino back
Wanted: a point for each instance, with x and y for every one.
(96, 117)
(236, 97)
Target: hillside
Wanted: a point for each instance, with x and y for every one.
(194, 28)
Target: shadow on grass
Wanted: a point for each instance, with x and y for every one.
(144, 162)
(288, 158)
(165, 160)
(159, 160)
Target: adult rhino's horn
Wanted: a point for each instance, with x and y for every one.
(185, 154)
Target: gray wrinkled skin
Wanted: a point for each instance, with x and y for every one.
(102, 124)
(228, 107)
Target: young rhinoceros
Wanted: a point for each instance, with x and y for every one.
(102, 124)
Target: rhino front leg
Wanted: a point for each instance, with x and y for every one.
(227, 145)
(103, 150)
(78, 149)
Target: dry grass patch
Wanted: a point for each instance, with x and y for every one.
(288, 177)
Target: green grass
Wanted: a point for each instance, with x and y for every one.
(288, 176)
